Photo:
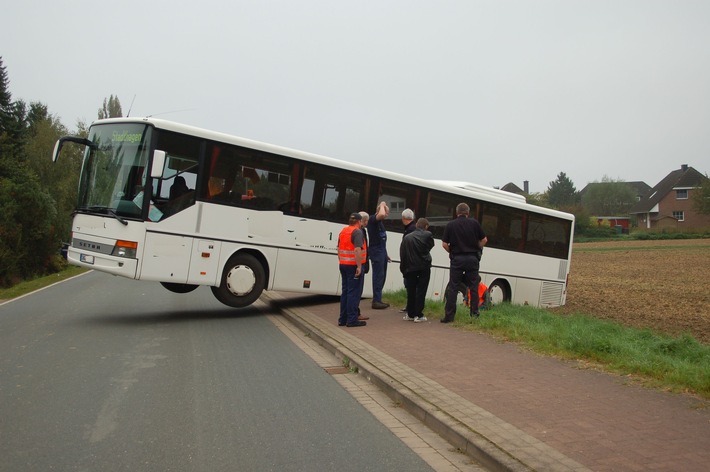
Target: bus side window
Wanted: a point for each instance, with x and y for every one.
(331, 195)
(440, 209)
(175, 189)
(399, 197)
(178, 188)
(181, 196)
(503, 226)
(222, 168)
(317, 194)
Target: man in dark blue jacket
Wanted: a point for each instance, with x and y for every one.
(377, 252)
(463, 239)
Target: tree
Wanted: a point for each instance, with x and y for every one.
(29, 239)
(28, 230)
(539, 199)
(111, 108)
(60, 179)
(609, 197)
(5, 97)
(701, 197)
(582, 219)
(561, 192)
(12, 127)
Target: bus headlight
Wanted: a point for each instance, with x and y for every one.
(125, 249)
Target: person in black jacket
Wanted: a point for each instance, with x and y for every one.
(409, 226)
(463, 239)
(415, 265)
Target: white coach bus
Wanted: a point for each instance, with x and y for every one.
(161, 201)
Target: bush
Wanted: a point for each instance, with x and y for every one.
(596, 233)
(28, 237)
(665, 234)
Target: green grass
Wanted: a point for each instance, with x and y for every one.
(679, 364)
(28, 286)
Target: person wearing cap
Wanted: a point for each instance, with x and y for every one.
(352, 255)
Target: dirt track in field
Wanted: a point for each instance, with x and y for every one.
(662, 285)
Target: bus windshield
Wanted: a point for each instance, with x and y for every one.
(113, 173)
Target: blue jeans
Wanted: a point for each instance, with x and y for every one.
(349, 296)
(378, 267)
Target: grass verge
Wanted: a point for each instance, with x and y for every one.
(679, 364)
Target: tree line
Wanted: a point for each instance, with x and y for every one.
(37, 196)
(607, 197)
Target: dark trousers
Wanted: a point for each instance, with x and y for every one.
(349, 295)
(378, 268)
(417, 283)
(406, 309)
(463, 268)
(360, 289)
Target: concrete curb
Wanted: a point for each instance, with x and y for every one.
(488, 440)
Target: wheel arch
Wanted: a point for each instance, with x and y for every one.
(259, 257)
(503, 285)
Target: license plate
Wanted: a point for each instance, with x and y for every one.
(86, 258)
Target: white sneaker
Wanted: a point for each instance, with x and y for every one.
(407, 318)
(420, 319)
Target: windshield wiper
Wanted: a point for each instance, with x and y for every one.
(103, 209)
(113, 213)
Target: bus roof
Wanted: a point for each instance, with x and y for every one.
(482, 188)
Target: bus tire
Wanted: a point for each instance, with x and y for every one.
(178, 288)
(242, 282)
(499, 291)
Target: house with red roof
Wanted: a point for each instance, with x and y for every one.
(669, 205)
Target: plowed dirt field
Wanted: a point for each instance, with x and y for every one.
(662, 285)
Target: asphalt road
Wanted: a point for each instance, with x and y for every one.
(101, 373)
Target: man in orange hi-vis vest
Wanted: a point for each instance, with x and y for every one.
(352, 255)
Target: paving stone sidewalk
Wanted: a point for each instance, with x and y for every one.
(512, 408)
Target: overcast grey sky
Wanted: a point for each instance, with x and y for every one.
(489, 92)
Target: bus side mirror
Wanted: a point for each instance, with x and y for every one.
(74, 139)
(57, 149)
(156, 169)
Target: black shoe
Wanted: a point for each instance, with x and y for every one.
(446, 321)
(341, 324)
(476, 315)
(379, 305)
(356, 324)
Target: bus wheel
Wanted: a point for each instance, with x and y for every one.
(242, 281)
(500, 291)
(178, 288)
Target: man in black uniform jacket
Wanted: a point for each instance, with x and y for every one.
(463, 239)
